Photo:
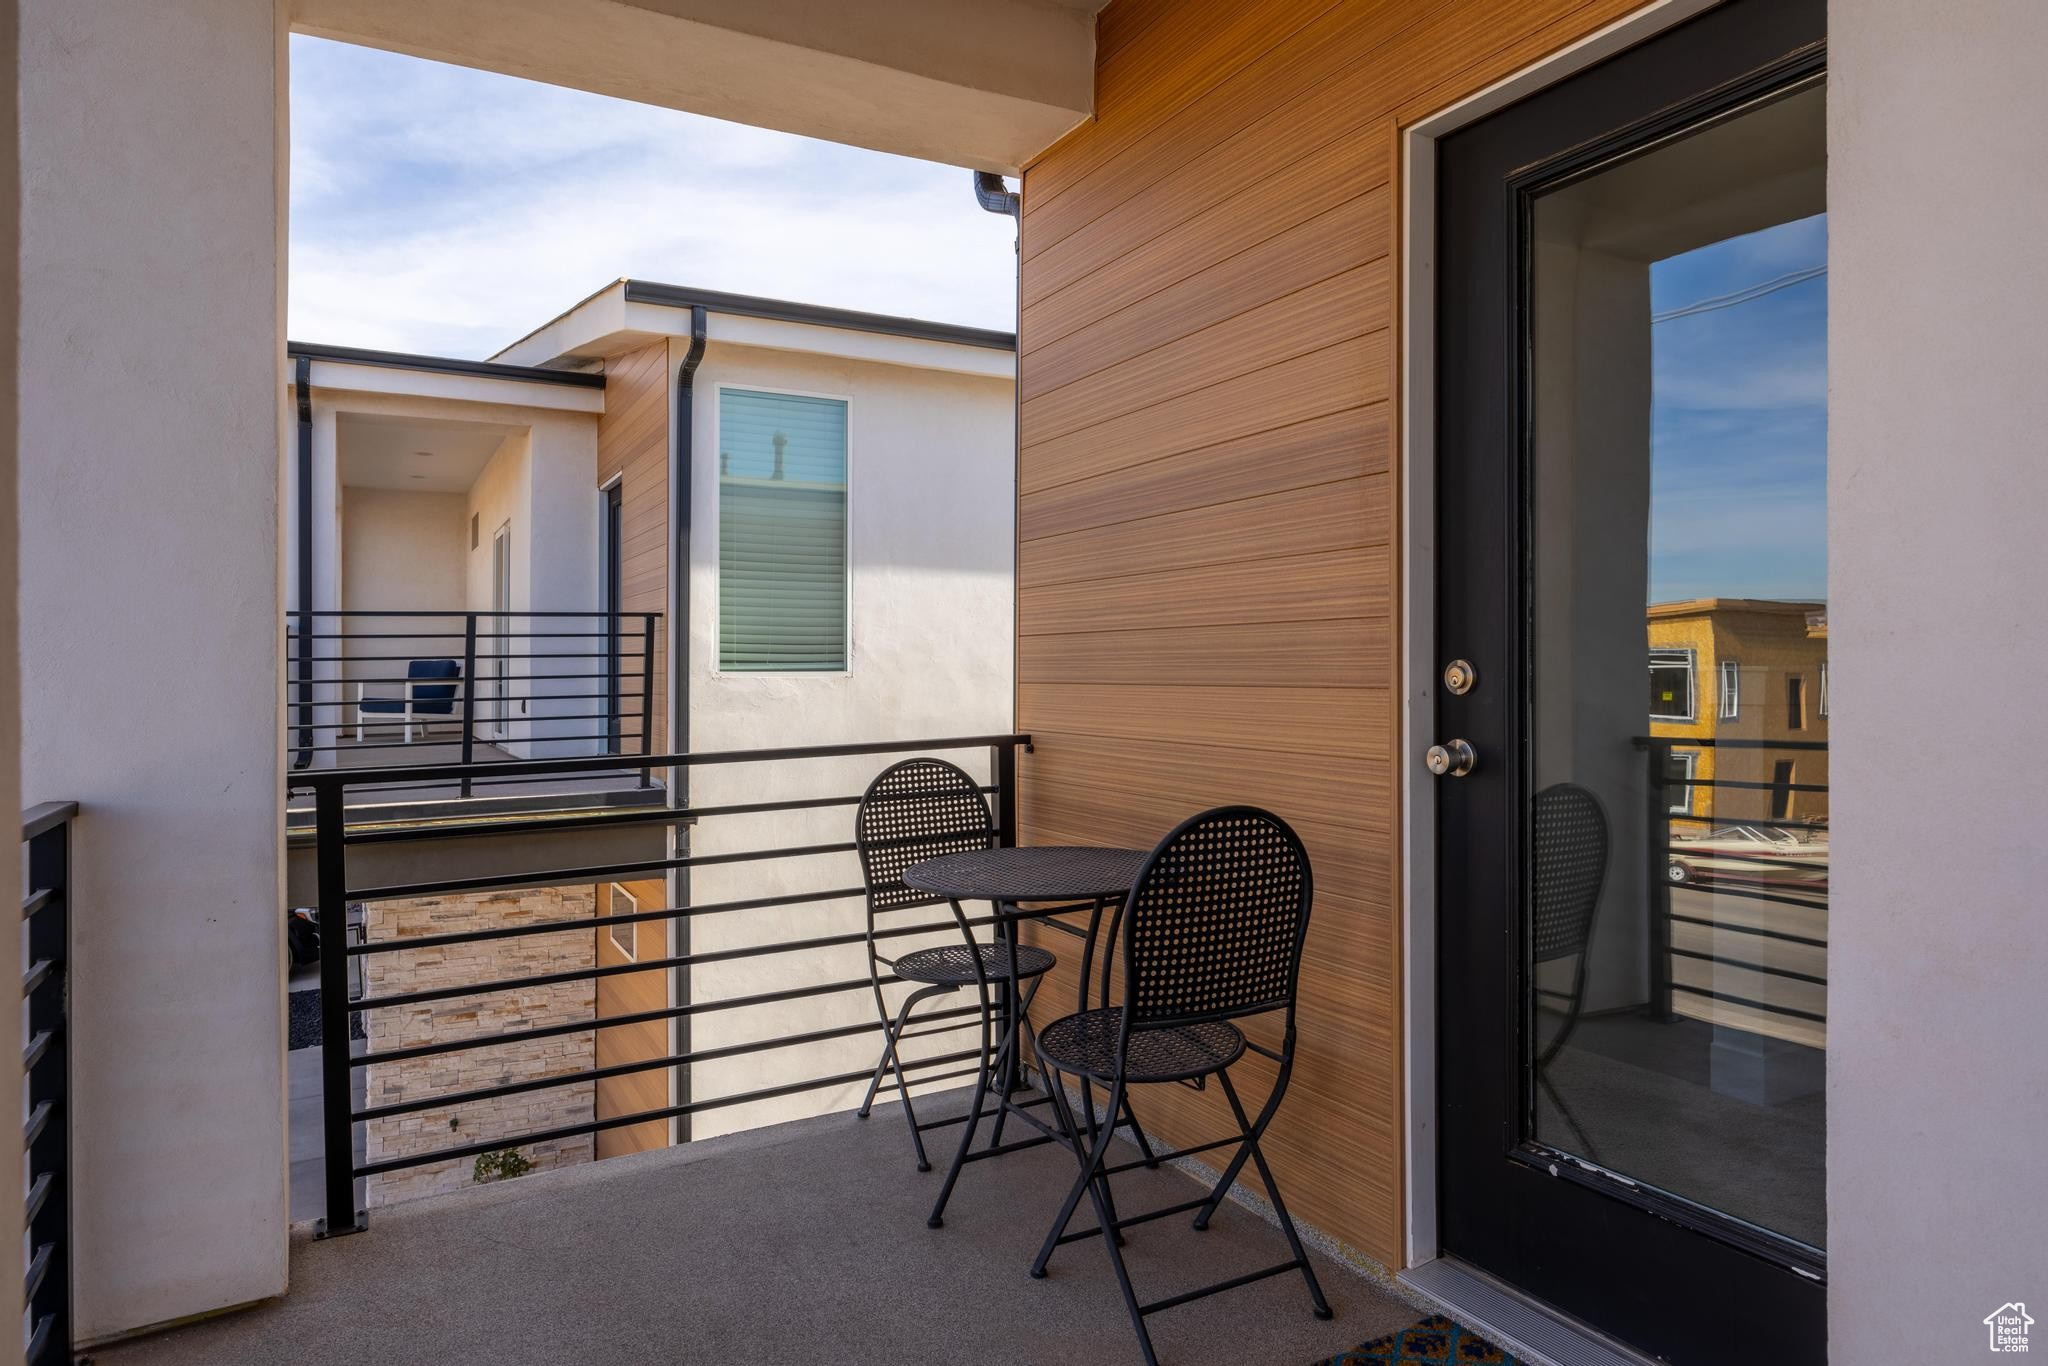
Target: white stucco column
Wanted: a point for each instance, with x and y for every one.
(152, 288)
(1936, 493)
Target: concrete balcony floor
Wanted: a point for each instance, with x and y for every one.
(801, 1242)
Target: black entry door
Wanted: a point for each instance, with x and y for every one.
(1631, 589)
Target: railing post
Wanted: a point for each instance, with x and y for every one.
(1659, 848)
(647, 695)
(48, 1158)
(336, 1095)
(468, 699)
(1004, 764)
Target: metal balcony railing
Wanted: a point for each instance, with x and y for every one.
(370, 688)
(46, 1058)
(1786, 879)
(746, 931)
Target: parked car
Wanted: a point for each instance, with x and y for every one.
(1750, 853)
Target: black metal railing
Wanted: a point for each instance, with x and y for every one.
(337, 892)
(46, 1060)
(1760, 878)
(554, 683)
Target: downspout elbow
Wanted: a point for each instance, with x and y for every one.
(990, 193)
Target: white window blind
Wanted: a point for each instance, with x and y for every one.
(781, 533)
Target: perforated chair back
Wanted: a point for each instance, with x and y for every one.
(1568, 865)
(1214, 926)
(916, 810)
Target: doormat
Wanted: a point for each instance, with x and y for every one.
(1434, 1340)
(304, 1020)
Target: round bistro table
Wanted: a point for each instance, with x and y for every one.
(1041, 873)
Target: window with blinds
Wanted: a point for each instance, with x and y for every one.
(781, 533)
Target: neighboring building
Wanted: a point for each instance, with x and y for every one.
(1750, 671)
(844, 563)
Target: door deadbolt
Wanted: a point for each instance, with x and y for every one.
(1452, 759)
(1460, 677)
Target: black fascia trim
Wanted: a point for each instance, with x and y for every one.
(782, 310)
(445, 365)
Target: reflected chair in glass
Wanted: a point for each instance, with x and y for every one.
(916, 810)
(1211, 934)
(1568, 868)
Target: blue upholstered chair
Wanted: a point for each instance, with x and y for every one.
(431, 686)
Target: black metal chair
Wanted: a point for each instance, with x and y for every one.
(1568, 868)
(1211, 933)
(916, 810)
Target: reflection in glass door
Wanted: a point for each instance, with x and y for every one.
(1676, 981)
(1631, 609)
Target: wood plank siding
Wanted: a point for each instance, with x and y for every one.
(632, 993)
(1207, 491)
(632, 445)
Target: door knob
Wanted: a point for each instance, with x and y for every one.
(1452, 759)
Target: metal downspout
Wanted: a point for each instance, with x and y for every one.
(681, 471)
(302, 386)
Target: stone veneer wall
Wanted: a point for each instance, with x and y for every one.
(468, 1016)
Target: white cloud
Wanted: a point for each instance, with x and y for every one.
(444, 210)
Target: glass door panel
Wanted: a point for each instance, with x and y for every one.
(1674, 979)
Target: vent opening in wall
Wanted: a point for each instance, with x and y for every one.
(473, 529)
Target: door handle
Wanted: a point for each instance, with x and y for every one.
(1451, 759)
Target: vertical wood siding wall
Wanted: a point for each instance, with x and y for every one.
(632, 442)
(1206, 608)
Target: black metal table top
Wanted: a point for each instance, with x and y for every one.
(1037, 873)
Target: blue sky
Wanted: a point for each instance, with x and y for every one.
(444, 210)
(1738, 420)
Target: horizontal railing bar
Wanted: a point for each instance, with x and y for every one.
(1760, 860)
(45, 816)
(470, 828)
(345, 778)
(622, 1121)
(38, 1120)
(32, 1355)
(1741, 785)
(1816, 902)
(37, 974)
(38, 1192)
(554, 877)
(324, 688)
(40, 899)
(596, 1074)
(492, 659)
(1761, 822)
(1746, 1001)
(417, 612)
(1642, 741)
(1751, 930)
(457, 633)
(32, 1051)
(370, 776)
(1748, 966)
(431, 941)
(425, 1050)
(592, 974)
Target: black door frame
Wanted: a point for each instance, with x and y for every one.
(1566, 1234)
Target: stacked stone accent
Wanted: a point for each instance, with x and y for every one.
(469, 1016)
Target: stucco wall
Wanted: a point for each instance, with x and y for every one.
(400, 552)
(151, 335)
(931, 499)
(1938, 322)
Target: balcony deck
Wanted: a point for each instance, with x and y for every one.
(801, 1242)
